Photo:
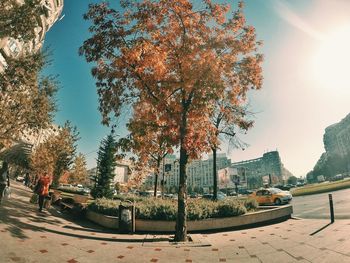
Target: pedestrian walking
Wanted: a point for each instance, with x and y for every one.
(4, 179)
(42, 189)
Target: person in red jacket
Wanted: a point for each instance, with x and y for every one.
(43, 191)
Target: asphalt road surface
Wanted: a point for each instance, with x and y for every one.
(317, 206)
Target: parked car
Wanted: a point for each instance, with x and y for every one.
(170, 196)
(244, 191)
(220, 196)
(271, 196)
(232, 193)
(194, 195)
(282, 187)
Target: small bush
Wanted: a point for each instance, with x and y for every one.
(156, 209)
(200, 209)
(105, 206)
(131, 198)
(229, 208)
(251, 204)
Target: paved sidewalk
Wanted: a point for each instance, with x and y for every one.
(29, 236)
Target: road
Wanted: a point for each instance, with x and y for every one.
(317, 206)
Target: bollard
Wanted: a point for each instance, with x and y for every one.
(331, 207)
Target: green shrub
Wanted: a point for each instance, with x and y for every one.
(200, 209)
(227, 208)
(165, 209)
(156, 209)
(105, 206)
(251, 204)
(131, 198)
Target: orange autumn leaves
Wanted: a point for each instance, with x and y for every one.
(172, 62)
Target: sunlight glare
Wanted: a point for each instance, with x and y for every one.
(331, 64)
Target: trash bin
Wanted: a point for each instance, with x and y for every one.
(126, 218)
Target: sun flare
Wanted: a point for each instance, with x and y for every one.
(331, 64)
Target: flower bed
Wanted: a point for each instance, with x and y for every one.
(159, 209)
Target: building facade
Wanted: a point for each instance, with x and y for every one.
(260, 170)
(199, 172)
(336, 138)
(10, 47)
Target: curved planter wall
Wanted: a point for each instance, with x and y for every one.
(266, 214)
(103, 220)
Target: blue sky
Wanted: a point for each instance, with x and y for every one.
(305, 88)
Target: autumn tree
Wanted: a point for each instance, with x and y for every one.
(106, 163)
(180, 60)
(65, 150)
(147, 140)
(19, 20)
(56, 154)
(27, 105)
(78, 173)
(26, 98)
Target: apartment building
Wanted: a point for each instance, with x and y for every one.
(199, 172)
(50, 12)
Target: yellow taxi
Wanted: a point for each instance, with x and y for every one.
(271, 196)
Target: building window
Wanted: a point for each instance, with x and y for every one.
(13, 47)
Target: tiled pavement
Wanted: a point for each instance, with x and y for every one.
(28, 236)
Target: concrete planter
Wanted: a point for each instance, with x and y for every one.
(103, 220)
(264, 215)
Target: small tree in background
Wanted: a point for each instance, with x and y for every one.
(64, 150)
(78, 175)
(292, 180)
(56, 154)
(227, 118)
(106, 163)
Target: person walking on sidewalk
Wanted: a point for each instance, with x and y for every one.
(4, 179)
(43, 189)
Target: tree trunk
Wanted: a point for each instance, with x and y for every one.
(156, 178)
(181, 220)
(215, 176)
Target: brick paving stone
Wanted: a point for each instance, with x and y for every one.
(282, 242)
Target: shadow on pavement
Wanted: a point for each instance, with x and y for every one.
(319, 230)
(18, 215)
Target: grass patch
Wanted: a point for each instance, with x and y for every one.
(321, 188)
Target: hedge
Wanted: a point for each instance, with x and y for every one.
(165, 209)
